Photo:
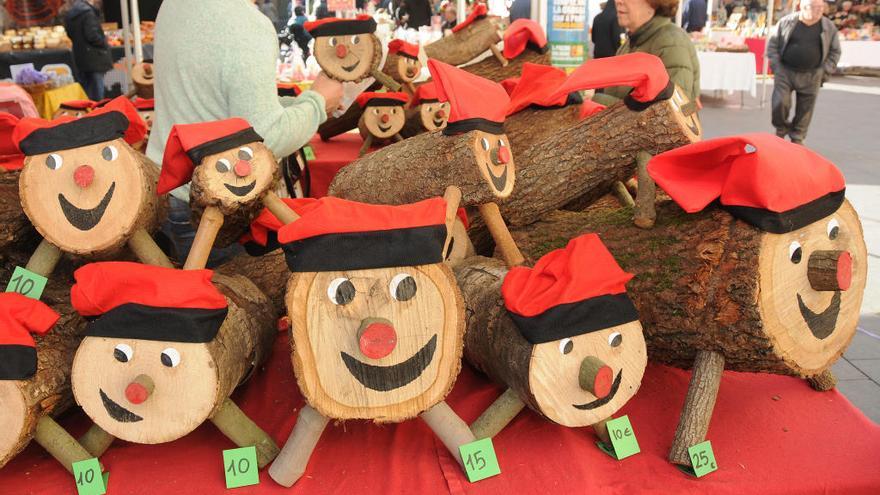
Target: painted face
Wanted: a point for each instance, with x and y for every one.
(686, 113)
(367, 341)
(144, 391)
(817, 322)
(495, 161)
(236, 176)
(434, 115)
(408, 68)
(81, 199)
(459, 245)
(347, 58)
(67, 112)
(582, 380)
(384, 122)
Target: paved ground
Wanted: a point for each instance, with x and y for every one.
(845, 129)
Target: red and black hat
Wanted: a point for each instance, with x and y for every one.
(288, 89)
(189, 144)
(21, 316)
(644, 72)
(145, 302)
(477, 12)
(570, 291)
(773, 184)
(118, 119)
(11, 157)
(537, 86)
(375, 99)
(334, 26)
(404, 49)
(522, 34)
(144, 104)
(335, 234)
(474, 102)
(509, 84)
(84, 105)
(426, 93)
(262, 236)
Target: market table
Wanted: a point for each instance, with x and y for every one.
(330, 157)
(50, 100)
(859, 54)
(727, 71)
(771, 435)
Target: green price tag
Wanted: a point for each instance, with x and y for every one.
(623, 439)
(702, 459)
(479, 460)
(309, 152)
(241, 467)
(88, 477)
(27, 283)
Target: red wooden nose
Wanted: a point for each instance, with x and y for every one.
(139, 389)
(83, 176)
(341, 51)
(377, 340)
(243, 168)
(844, 270)
(441, 114)
(503, 154)
(596, 377)
(385, 118)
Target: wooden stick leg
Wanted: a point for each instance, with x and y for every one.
(623, 194)
(449, 428)
(452, 195)
(601, 429)
(243, 432)
(503, 240)
(368, 141)
(146, 249)
(411, 87)
(63, 447)
(96, 441)
(385, 80)
(498, 415)
(44, 259)
(279, 208)
(397, 138)
(500, 56)
(698, 405)
(291, 463)
(645, 215)
(823, 382)
(209, 226)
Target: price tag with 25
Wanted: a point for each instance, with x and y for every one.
(240, 467)
(479, 460)
(702, 459)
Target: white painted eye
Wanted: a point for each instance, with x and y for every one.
(245, 153)
(332, 41)
(795, 253)
(833, 229)
(123, 353)
(355, 39)
(501, 143)
(615, 339)
(565, 346)
(54, 161)
(402, 287)
(340, 291)
(170, 357)
(485, 144)
(394, 111)
(110, 153)
(375, 111)
(223, 165)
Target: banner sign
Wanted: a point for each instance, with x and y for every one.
(568, 32)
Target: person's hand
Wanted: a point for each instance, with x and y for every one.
(330, 89)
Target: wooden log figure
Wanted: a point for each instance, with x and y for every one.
(35, 374)
(733, 287)
(166, 348)
(145, 108)
(377, 321)
(524, 42)
(335, 126)
(142, 76)
(402, 64)
(74, 108)
(469, 39)
(87, 192)
(348, 49)
(566, 340)
(427, 112)
(383, 117)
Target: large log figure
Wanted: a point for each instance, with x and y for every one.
(348, 50)
(535, 125)
(15, 229)
(468, 43)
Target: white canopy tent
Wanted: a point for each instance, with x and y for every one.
(134, 19)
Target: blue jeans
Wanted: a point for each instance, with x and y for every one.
(93, 84)
(179, 228)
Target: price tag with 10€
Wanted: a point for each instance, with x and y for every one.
(623, 439)
(88, 477)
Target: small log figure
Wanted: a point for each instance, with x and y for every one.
(733, 290)
(566, 341)
(35, 374)
(383, 118)
(142, 76)
(402, 64)
(427, 112)
(469, 39)
(87, 192)
(335, 126)
(145, 108)
(377, 321)
(348, 50)
(167, 350)
(74, 108)
(524, 42)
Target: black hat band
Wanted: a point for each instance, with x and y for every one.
(142, 322)
(337, 28)
(222, 144)
(75, 134)
(794, 219)
(476, 124)
(17, 362)
(577, 318)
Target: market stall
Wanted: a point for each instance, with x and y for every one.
(727, 71)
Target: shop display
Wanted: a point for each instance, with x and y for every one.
(34, 38)
(377, 320)
(524, 42)
(402, 64)
(469, 39)
(382, 119)
(74, 108)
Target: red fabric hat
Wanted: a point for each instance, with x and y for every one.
(509, 84)
(11, 157)
(570, 291)
(78, 105)
(374, 99)
(137, 128)
(477, 12)
(474, 102)
(262, 236)
(426, 93)
(643, 71)
(773, 184)
(522, 33)
(144, 104)
(189, 144)
(334, 26)
(335, 234)
(21, 316)
(537, 86)
(148, 302)
(590, 108)
(403, 49)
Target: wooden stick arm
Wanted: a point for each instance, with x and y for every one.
(236, 425)
(44, 259)
(209, 226)
(63, 447)
(503, 240)
(500, 56)
(279, 208)
(498, 415)
(698, 405)
(449, 428)
(96, 441)
(146, 249)
(385, 80)
(368, 141)
(291, 462)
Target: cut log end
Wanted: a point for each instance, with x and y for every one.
(291, 462)
(823, 382)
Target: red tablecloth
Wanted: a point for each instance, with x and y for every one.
(330, 157)
(805, 442)
(756, 46)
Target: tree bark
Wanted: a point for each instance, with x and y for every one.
(268, 272)
(534, 125)
(491, 69)
(465, 45)
(16, 230)
(823, 382)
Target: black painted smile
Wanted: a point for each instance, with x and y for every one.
(85, 219)
(385, 378)
(438, 123)
(118, 412)
(821, 324)
(499, 182)
(604, 400)
(241, 190)
(383, 129)
(349, 68)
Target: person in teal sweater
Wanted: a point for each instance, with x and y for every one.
(216, 59)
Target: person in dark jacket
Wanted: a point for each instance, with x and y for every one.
(693, 18)
(606, 32)
(91, 54)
